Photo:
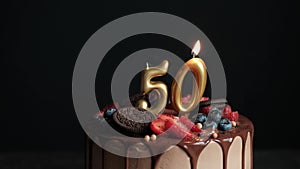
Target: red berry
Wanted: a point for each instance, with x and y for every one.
(227, 110)
(189, 124)
(233, 116)
(205, 109)
(195, 128)
(158, 126)
(178, 129)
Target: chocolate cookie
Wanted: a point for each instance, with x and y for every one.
(133, 121)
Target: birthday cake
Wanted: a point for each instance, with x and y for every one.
(161, 130)
(228, 146)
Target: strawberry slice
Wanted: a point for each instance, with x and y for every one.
(189, 124)
(178, 129)
(158, 126)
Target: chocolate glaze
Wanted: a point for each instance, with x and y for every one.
(95, 154)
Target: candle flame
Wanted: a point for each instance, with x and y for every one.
(147, 65)
(196, 48)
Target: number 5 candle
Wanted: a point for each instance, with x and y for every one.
(161, 89)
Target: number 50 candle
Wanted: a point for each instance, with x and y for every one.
(198, 68)
(195, 65)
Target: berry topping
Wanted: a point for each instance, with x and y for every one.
(178, 129)
(201, 118)
(205, 109)
(189, 124)
(233, 116)
(158, 126)
(109, 112)
(227, 110)
(225, 124)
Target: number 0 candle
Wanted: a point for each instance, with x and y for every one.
(198, 68)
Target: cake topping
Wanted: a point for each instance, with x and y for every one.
(233, 116)
(201, 118)
(109, 112)
(215, 135)
(147, 138)
(132, 120)
(233, 123)
(181, 127)
(158, 126)
(199, 125)
(178, 129)
(153, 137)
(225, 124)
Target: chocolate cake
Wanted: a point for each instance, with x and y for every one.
(229, 147)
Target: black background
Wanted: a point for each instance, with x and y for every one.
(40, 42)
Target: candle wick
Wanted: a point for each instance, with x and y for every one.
(193, 54)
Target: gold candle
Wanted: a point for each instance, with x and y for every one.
(198, 68)
(147, 86)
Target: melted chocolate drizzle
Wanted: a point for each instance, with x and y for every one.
(95, 154)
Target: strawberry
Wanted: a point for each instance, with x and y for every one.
(189, 124)
(227, 113)
(158, 126)
(181, 127)
(233, 116)
(178, 129)
(205, 109)
(227, 110)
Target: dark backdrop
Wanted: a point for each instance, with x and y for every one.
(40, 41)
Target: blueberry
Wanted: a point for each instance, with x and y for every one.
(225, 124)
(109, 112)
(201, 118)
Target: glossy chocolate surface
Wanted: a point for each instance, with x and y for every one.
(97, 157)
